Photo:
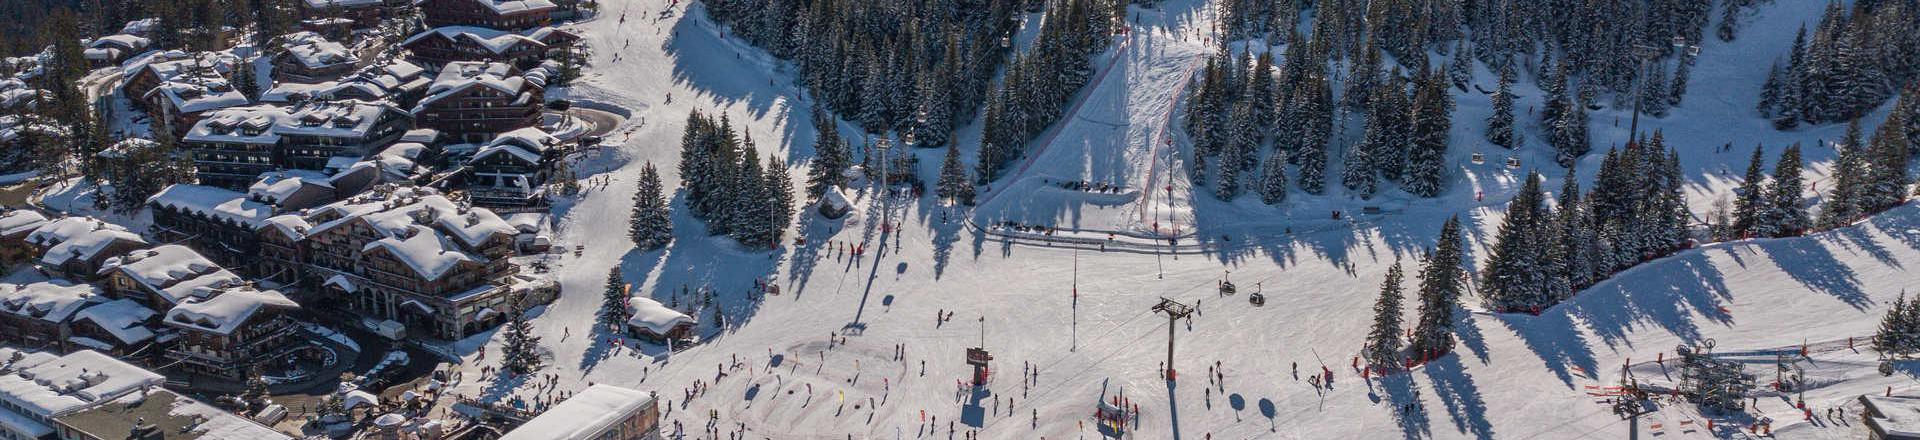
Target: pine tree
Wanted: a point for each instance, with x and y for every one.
(1887, 155)
(1512, 281)
(1432, 122)
(1770, 91)
(954, 184)
(1680, 75)
(1573, 253)
(1570, 136)
(521, 350)
(1316, 126)
(1653, 93)
(1357, 172)
(1500, 124)
(1273, 178)
(652, 217)
(613, 304)
(1787, 103)
(779, 192)
(1893, 336)
(1785, 215)
(244, 79)
(1843, 202)
(1460, 69)
(1383, 340)
(1440, 285)
(1750, 200)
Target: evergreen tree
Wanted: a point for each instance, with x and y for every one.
(1357, 172)
(1785, 215)
(1843, 202)
(1570, 136)
(1500, 124)
(1574, 247)
(1750, 200)
(1787, 102)
(1383, 340)
(244, 79)
(1273, 178)
(1513, 279)
(1432, 121)
(1894, 335)
(1770, 91)
(613, 304)
(521, 350)
(954, 185)
(1315, 116)
(1460, 69)
(779, 191)
(1887, 176)
(652, 217)
(831, 157)
(1653, 94)
(1440, 286)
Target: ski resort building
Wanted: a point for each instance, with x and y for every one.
(600, 412)
(1891, 417)
(119, 327)
(363, 13)
(75, 247)
(510, 170)
(439, 46)
(218, 222)
(233, 147)
(157, 413)
(498, 14)
(14, 227)
(40, 314)
(474, 101)
(655, 322)
(179, 87)
(226, 334)
(113, 49)
(39, 387)
(307, 57)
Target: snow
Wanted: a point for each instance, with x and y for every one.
(315, 51)
(493, 40)
(20, 221)
(45, 385)
(1513, 376)
(50, 301)
(462, 75)
(516, 6)
(175, 271)
(215, 202)
(223, 313)
(423, 250)
(275, 187)
(421, 136)
(123, 318)
(351, 120)
(585, 415)
(217, 424)
(78, 238)
(135, 43)
(323, 4)
(655, 317)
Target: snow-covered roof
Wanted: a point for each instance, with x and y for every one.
(193, 82)
(20, 221)
(462, 75)
(529, 222)
(127, 41)
(78, 237)
(403, 150)
(423, 250)
(126, 147)
(516, 6)
(655, 317)
(586, 415)
(402, 69)
(226, 311)
(421, 135)
(315, 51)
(45, 385)
(123, 318)
(51, 301)
(265, 124)
(274, 187)
(837, 198)
(141, 26)
(1896, 415)
(493, 40)
(528, 144)
(175, 415)
(175, 272)
(219, 203)
(323, 4)
(325, 90)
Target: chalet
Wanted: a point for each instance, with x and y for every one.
(233, 147)
(449, 44)
(113, 49)
(75, 247)
(473, 101)
(39, 315)
(179, 87)
(413, 256)
(166, 276)
(655, 322)
(511, 169)
(160, 414)
(363, 13)
(119, 327)
(225, 335)
(220, 223)
(399, 81)
(288, 190)
(600, 412)
(14, 227)
(307, 57)
(497, 14)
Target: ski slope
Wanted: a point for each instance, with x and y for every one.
(1082, 315)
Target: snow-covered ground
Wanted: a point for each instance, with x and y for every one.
(1513, 376)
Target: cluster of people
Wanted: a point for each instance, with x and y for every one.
(1082, 185)
(1022, 227)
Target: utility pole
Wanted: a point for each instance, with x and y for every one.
(1174, 310)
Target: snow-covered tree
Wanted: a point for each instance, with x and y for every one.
(1383, 340)
(1750, 199)
(1500, 123)
(1273, 178)
(613, 303)
(1514, 279)
(1440, 288)
(652, 226)
(1843, 202)
(954, 184)
(1785, 216)
(520, 353)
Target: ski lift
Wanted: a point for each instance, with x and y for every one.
(1227, 287)
(1513, 162)
(1479, 158)
(1256, 298)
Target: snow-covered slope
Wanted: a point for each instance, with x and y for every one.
(1514, 376)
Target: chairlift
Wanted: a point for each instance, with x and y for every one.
(1479, 158)
(1256, 298)
(1513, 162)
(1226, 287)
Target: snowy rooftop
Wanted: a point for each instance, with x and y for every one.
(214, 202)
(45, 385)
(493, 40)
(403, 150)
(194, 82)
(120, 40)
(315, 51)
(274, 187)
(655, 317)
(226, 311)
(51, 301)
(20, 221)
(513, 6)
(322, 4)
(127, 146)
(462, 75)
(168, 266)
(179, 417)
(78, 237)
(585, 415)
(421, 227)
(123, 318)
(287, 92)
(528, 144)
(265, 124)
(429, 254)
